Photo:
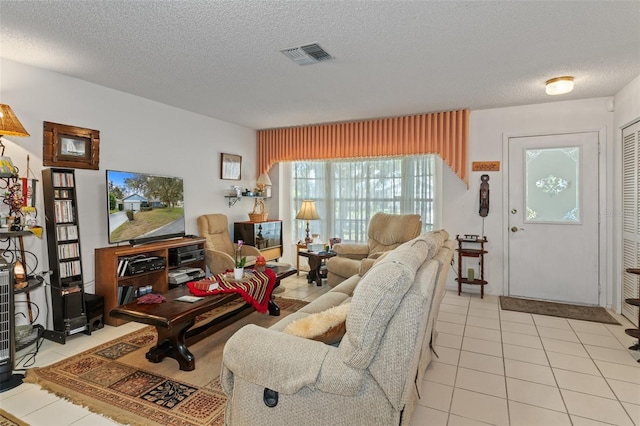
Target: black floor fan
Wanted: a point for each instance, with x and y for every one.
(8, 380)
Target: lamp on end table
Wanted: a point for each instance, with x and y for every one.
(308, 212)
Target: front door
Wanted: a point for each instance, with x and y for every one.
(553, 217)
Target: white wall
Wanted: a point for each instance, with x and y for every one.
(487, 130)
(135, 135)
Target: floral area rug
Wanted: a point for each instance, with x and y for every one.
(115, 379)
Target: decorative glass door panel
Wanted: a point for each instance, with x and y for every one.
(552, 188)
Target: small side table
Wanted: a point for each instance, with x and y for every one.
(634, 332)
(315, 263)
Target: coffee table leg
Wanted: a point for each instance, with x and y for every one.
(172, 344)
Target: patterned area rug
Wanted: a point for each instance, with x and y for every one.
(115, 379)
(563, 310)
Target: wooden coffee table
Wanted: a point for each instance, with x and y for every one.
(174, 320)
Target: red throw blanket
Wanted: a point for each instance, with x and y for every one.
(255, 290)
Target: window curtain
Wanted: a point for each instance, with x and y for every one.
(442, 133)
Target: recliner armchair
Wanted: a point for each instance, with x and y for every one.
(386, 232)
(219, 248)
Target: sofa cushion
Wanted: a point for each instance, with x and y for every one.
(326, 326)
(376, 299)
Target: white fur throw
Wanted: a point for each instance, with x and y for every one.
(326, 326)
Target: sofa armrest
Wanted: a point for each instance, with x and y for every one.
(248, 250)
(284, 363)
(352, 251)
(218, 261)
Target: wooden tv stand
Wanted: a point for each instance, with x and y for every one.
(108, 281)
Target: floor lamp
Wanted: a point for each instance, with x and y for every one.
(308, 212)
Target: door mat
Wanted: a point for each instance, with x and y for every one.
(562, 310)
(115, 380)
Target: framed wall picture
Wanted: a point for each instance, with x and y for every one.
(70, 146)
(230, 166)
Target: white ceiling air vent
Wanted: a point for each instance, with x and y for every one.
(308, 54)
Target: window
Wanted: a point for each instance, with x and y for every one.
(348, 192)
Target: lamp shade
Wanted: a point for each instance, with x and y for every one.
(9, 123)
(263, 180)
(559, 85)
(308, 211)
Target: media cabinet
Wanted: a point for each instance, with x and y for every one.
(108, 280)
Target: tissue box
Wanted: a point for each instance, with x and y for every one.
(315, 246)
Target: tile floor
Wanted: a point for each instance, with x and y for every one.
(494, 368)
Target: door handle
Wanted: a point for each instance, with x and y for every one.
(516, 229)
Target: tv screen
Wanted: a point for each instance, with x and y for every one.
(144, 207)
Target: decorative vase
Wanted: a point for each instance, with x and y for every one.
(238, 273)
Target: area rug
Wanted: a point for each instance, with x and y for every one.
(115, 379)
(563, 310)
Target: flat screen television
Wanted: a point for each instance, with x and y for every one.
(144, 207)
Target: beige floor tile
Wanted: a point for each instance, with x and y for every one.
(553, 322)
(493, 324)
(435, 395)
(558, 334)
(522, 353)
(451, 317)
(449, 340)
(582, 421)
(481, 407)
(607, 341)
(425, 416)
(479, 381)
(454, 309)
(573, 363)
(564, 347)
(464, 421)
(484, 313)
(482, 332)
(520, 317)
(489, 302)
(530, 372)
(486, 347)
(611, 355)
(94, 420)
(442, 373)
(450, 328)
(59, 413)
(596, 408)
(521, 340)
(589, 327)
(633, 410)
(518, 327)
(534, 394)
(447, 355)
(453, 299)
(529, 415)
(586, 383)
(25, 403)
(481, 362)
(625, 391)
(624, 373)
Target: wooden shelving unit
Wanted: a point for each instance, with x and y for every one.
(108, 279)
(471, 246)
(634, 332)
(265, 236)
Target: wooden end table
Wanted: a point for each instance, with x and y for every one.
(315, 263)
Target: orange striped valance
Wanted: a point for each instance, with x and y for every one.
(443, 133)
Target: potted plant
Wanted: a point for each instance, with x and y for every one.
(240, 261)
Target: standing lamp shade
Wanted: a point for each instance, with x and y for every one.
(9, 125)
(308, 212)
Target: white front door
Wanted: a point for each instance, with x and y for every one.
(553, 217)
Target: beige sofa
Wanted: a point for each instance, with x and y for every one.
(385, 233)
(373, 375)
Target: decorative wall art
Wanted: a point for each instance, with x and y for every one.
(230, 166)
(70, 146)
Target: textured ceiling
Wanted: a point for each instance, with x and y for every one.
(221, 58)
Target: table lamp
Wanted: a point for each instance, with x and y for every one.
(9, 125)
(308, 212)
(264, 185)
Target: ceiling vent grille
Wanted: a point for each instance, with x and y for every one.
(307, 55)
